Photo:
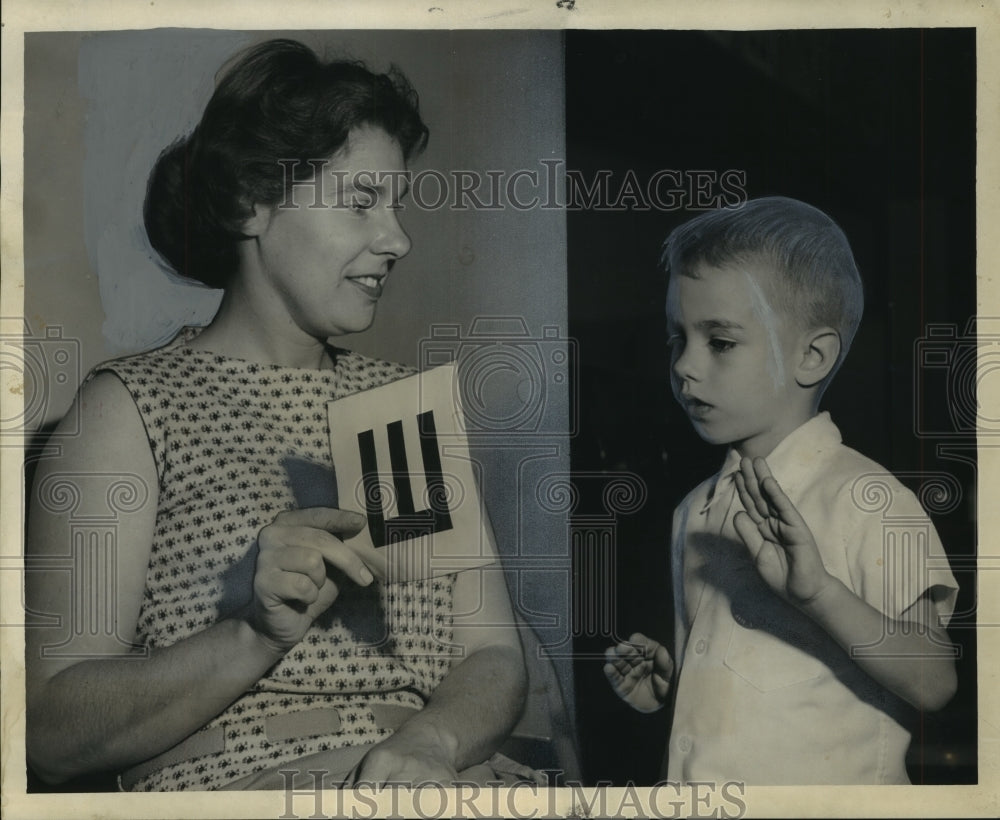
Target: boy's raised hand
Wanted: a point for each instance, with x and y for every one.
(782, 546)
(639, 671)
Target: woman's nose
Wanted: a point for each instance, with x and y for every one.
(391, 239)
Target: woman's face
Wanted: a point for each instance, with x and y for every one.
(319, 261)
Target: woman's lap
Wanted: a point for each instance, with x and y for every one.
(332, 768)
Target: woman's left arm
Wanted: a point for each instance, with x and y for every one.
(476, 705)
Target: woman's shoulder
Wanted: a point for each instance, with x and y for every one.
(177, 361)
(366, 372)
(165, 358)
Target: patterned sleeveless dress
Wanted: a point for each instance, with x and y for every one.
(234, 444)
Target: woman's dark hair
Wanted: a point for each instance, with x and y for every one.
(279, 101)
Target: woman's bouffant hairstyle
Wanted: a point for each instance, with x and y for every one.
(817, 280)
(278, 102)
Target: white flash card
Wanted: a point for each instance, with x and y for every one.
(402, 458)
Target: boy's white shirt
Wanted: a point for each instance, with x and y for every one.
(764, 696)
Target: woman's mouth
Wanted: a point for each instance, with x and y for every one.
(370, 284)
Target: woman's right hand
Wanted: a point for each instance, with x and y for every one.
(293, 584)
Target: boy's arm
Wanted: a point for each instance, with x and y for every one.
(914, 662)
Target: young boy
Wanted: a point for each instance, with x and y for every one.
(811, 589)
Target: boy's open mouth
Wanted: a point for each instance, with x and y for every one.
(696, 408)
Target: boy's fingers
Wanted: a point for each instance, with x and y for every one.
(782, 505)
(622, 668)
(629, 647)
(761, 468)
(661, 687)
(626, 657)
(748, 532)
(746, 499)
(752, 484)
(763, 473)
(663, 663)
(611, 655)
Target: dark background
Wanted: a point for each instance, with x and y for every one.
(877, 128)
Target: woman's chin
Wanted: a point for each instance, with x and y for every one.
(358, 325)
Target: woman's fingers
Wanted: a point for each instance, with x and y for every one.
(292, 574)
(276, 540)
(336, 522)
(292, 582)
(288, 588)
(298, 559)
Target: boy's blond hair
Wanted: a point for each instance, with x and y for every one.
(817, 282)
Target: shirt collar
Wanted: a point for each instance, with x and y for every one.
(723, 480)
(796, 456)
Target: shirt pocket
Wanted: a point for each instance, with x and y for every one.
(769, 662)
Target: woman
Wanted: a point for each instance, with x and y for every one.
(254, 638)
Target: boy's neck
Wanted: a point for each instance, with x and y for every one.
(763, 445)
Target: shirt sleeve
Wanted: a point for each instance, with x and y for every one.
(894, 553)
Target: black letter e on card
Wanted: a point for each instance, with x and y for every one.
(410, 523)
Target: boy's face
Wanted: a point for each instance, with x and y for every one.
(731, 357)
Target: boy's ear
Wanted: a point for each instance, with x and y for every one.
(820, 350)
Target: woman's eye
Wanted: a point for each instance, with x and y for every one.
(361, 202)
(721, 345)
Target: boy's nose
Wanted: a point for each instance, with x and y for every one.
(683, 366)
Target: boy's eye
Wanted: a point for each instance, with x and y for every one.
(362, 202)
(674, 340)
(721, 345)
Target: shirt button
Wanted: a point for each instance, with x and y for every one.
(684, 743)
(700, 647)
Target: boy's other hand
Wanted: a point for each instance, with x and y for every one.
(639, 671)
(783, 548)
